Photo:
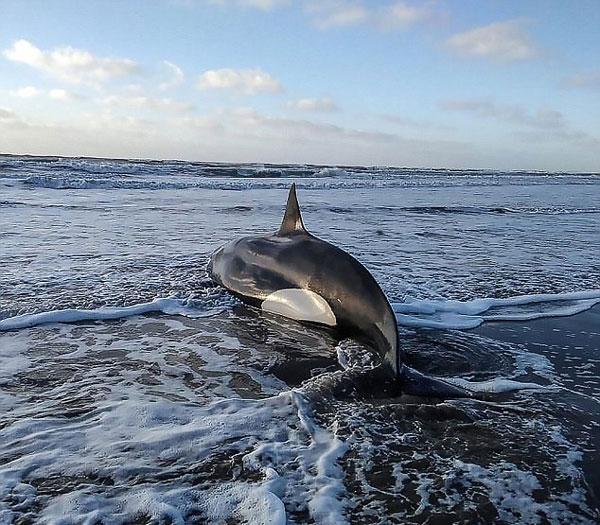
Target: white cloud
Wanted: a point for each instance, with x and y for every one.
(10, 121)
(64, 95)
(203, 123)
(177, 76)
(7, 114)
(542, 125)
(313, 104)
(71, 65)
(409, 122)
(541, 118)
(246, 81)
(500, 41)
(584, 80)
(573, 137)
(27, 92)
(401, 15)
(166, 105)
(386, 15)
(306, 130)
(345, 15)
(263, 5)
(247, 136)
(341, 13)
(133, 89)
(128, 126)
(56, 94)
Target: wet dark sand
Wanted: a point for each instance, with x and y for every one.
(572, 344)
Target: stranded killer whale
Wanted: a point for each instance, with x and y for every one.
(297, 275)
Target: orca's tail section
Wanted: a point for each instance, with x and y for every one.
(384, 337)
(417, 384)
(292, 220)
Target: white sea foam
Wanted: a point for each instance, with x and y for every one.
(156, 430)
(493, 386)
(276, 437)
(247, 179)
(511, 489)
(168, 305)
(151, 448)
(332, 172)
(449, 314)
(12, 357)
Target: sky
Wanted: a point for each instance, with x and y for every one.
(496, 84)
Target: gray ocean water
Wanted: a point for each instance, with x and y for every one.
(203, 410)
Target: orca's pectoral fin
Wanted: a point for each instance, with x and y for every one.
(417, 384)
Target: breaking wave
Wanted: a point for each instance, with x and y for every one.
(106, 174)
(417, 313)
(446, 314)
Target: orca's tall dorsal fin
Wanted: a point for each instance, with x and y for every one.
(292, 220)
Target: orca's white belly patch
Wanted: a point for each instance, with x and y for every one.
(301, 305)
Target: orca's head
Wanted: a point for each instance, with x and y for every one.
(213, 262)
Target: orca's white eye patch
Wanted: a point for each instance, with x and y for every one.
(301, 305)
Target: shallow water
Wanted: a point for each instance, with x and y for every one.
(204, 410)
